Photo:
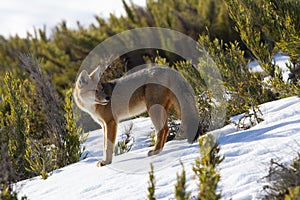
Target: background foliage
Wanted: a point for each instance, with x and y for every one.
(38, 130)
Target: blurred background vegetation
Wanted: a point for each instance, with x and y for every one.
(62, 52)
(39, 70)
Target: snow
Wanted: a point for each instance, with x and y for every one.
(282, 61)
(247, 159)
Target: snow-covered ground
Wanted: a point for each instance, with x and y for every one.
(247, 157)
(282, 61)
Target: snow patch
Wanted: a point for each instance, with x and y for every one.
(247, 159)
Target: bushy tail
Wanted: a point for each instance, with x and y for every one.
(200, 131)
(190, 121)
(186, 105)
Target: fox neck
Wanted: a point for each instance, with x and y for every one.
(89, 108)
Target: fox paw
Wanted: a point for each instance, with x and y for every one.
(153, 152)
(102, 163)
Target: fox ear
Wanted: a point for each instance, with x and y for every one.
(95, 75)
(83, 78)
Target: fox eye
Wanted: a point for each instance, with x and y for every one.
(99, 90)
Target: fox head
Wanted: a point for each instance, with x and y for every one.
(89, 88)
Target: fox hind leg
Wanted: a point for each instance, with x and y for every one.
(160, 141)
(159, 117)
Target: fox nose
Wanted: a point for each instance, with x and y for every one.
(107, 98)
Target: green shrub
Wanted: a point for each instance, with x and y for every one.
(267, 27)
(41, 158)
(42, 155)
(151, 184)
(284, 180)
(294, 193)
(180, 186)
(7, 174)
(14, 129)
(206, 168)
(127, 141)
(39, 136)
(75, 136)
(15, 125)
(63, 51)
(7, 193)
(202, 94)
(244, 90)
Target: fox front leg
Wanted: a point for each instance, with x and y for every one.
(110, 132)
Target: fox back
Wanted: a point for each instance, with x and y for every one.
(157, 90)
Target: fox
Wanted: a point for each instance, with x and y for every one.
(155, 90)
